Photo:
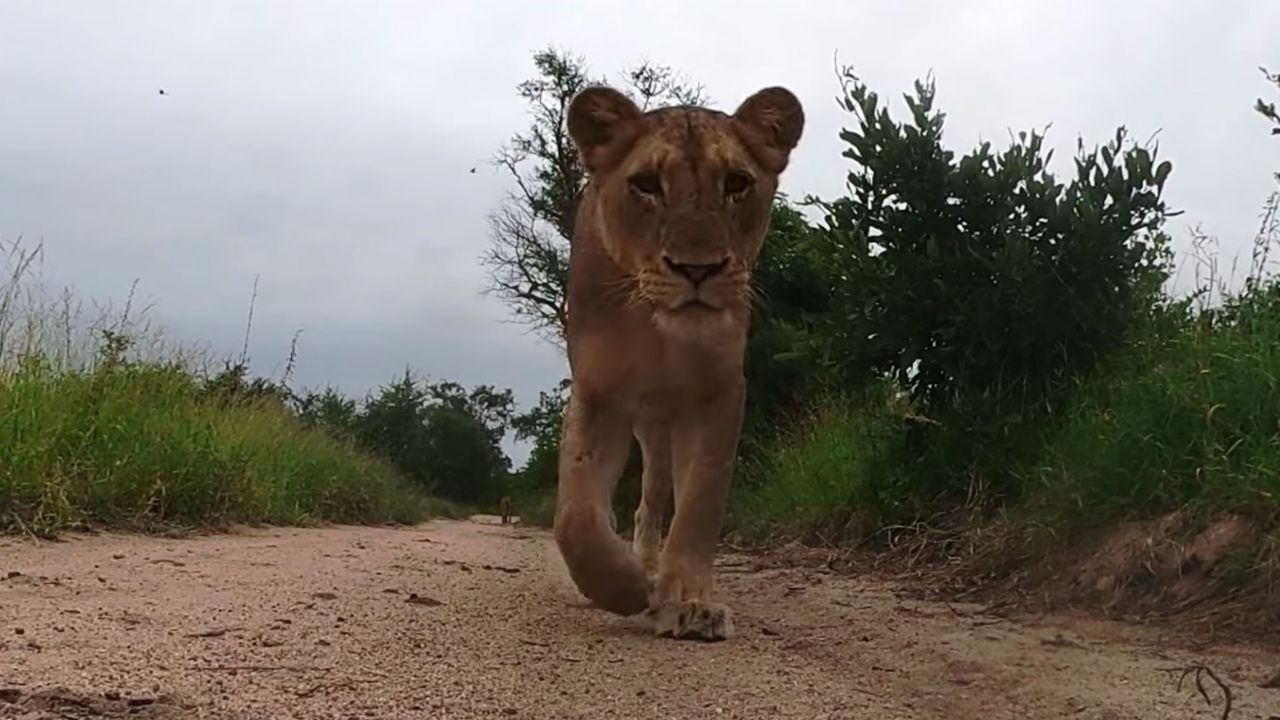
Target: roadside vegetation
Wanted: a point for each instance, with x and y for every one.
(104, 424)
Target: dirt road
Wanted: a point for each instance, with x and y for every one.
(477, 620)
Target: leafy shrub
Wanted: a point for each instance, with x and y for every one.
(982, 285)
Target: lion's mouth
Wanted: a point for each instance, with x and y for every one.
(670, 298)
(696, 306)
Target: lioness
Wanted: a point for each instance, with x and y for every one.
(659, 299)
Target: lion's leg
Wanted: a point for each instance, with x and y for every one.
(655, 492)
(594, 445)
(704, 444)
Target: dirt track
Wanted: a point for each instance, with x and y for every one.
(476, 620)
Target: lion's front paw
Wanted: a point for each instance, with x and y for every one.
(692, 620)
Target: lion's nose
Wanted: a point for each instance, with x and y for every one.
(696, 273)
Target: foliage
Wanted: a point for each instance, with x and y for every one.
(489, 408)
(822, 477)
(105, 423)
(982, 285)
(1268, 109)
(1188, 415)
(1173, 405)
(394, 425)
(330, 410)
(443, 438)
(462, 458)
(139, 444)
(793, 284)
(540, 425)
(234, 385)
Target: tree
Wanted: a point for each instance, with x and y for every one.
(491, 408)
(394, 424)
(229, 386)
(528, 256)
(445, 438)
(541, 426)
(330, 410)
(461, 456)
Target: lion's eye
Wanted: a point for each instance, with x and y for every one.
(736, 184)
(646, 183)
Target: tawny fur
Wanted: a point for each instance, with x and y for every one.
(659, 299)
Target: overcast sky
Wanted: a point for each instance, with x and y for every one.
(326, 146)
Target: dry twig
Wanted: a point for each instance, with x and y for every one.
(1198, 672)
(260, 668)
(214, 632)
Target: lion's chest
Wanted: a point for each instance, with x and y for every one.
(652, 375)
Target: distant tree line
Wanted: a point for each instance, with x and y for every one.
(445, 439)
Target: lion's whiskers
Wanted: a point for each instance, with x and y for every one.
(753, 294)
(622, 288)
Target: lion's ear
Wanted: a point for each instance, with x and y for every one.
(602, 124)
(771, 121)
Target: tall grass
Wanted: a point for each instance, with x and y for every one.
(1189, 417)
(826, 478)
(97, 428)
(60, 329)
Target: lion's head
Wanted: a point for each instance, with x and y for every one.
(682, 195)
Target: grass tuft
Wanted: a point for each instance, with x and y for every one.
(102, 424)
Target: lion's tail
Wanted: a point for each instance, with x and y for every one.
(601, 564)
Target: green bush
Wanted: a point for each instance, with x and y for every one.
(981, 284)
(1042, 367)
